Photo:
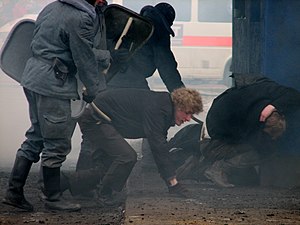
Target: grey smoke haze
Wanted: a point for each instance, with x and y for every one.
(14, 120)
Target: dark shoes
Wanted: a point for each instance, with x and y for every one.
(180, 191)
(18, 201)
(217, 174)
(52, 192)
(62, 205)
(15, 194)
(59, 205)
(115, 199)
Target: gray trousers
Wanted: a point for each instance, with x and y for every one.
(105, 145)
(50, 132)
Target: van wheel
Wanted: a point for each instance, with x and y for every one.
(227, 80)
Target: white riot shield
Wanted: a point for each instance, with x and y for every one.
(16, 49)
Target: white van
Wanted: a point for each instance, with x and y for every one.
(203, 37)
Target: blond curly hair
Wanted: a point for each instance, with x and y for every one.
(187, 100)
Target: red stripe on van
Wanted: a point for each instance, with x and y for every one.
(207, 41)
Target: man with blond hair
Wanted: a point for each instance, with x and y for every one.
(134, 113)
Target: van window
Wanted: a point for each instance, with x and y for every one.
(215, 11)
(184, 14)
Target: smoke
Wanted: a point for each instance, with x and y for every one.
(14, 120)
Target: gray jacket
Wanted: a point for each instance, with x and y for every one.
(65, 29)
(100, 49)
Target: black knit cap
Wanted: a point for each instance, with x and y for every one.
(167, 11)
(164, 11)
(92, 2)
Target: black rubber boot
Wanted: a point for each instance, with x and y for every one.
(53, 200)
(40, 181)
(15, 194)
(64, 182)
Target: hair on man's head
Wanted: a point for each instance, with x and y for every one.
(275, 125)
(188, 100)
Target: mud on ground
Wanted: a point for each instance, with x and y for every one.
(148, 203)
(90, 213)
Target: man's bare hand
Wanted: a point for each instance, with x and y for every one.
(266, 112)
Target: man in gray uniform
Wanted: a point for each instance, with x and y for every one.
(62, 46)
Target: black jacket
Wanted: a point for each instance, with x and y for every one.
(137, 113)
(234, 115)
(155, 54)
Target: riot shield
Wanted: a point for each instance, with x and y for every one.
(16, 49)
(125, 29)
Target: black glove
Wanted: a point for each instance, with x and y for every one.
(119, 55)
(179, 190)
(88, 98)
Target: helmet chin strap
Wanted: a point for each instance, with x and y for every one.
(196, 119)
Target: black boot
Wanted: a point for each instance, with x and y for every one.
(52, 192)
(109, 198)
(15, 195)
(64, 182)
(40, 181)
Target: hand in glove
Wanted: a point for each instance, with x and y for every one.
(88, 98)
(179, 190)
(119, 55)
